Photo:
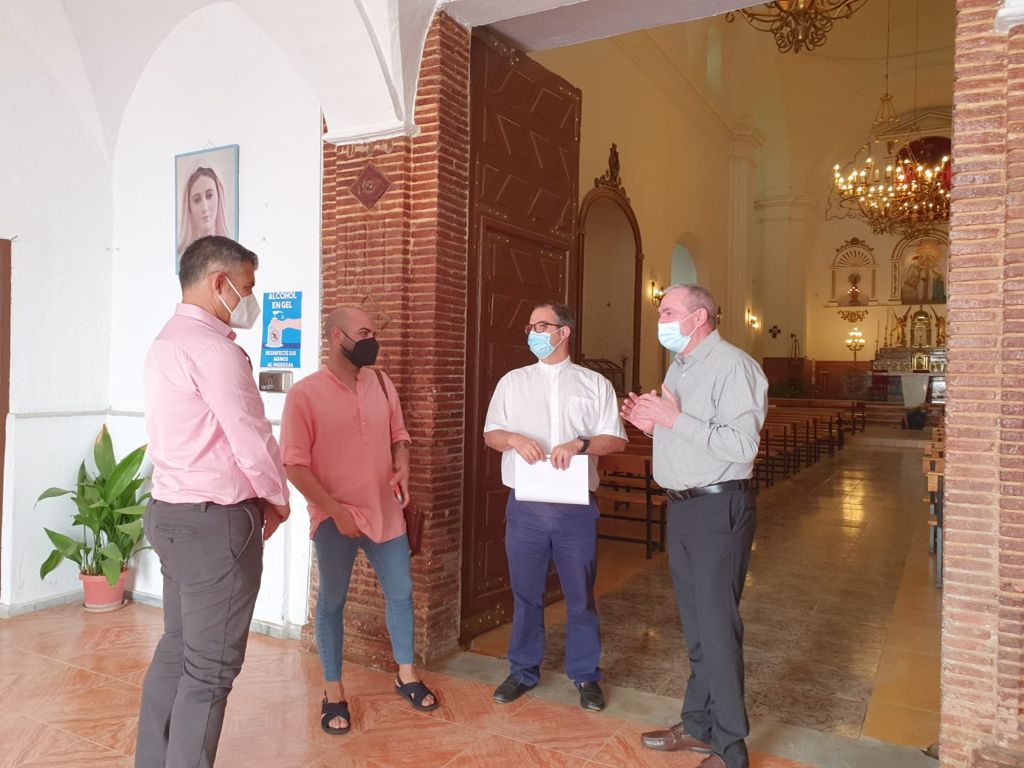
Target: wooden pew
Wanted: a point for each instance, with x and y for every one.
(854, 411)
(627, 479)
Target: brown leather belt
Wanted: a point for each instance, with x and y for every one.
(726, 487)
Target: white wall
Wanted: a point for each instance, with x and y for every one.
(239, 90)
(55, 199)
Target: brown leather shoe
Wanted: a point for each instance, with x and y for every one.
(674, 739)
(712, 761)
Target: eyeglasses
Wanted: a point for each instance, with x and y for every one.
(542, 327)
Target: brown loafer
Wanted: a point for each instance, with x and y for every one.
(713, 761)
(675, 739)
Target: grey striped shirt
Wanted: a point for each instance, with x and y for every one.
(722, 394)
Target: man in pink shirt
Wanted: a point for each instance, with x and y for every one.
(346, 449)
(219, 490)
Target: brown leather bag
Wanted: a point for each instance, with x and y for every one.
(413, 514)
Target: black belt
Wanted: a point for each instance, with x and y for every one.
(689, 493)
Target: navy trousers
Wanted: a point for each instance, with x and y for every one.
(535, 534)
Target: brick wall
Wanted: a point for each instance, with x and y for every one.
(983, 598)
(404, 258)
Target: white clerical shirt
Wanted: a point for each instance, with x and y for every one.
(553, 404)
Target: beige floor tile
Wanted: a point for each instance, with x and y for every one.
(901, 725)
(908, 679)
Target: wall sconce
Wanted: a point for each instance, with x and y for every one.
(657, 293)
(752, 320)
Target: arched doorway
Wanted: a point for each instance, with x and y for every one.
(684, 271)
(609, 278)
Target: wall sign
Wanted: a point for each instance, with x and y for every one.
(282, 329)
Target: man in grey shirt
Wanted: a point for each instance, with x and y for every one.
(706, 427)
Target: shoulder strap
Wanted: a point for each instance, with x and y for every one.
(380, 378)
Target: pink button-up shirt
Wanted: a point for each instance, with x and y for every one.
(345, 439)
(209, 439)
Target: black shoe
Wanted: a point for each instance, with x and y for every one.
(591, 697)
(510, 690)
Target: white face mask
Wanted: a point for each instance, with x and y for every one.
(246, 311)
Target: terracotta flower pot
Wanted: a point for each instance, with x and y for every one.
(99, 595)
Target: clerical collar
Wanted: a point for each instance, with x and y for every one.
(553, 369)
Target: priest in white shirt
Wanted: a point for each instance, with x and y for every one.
(552, 411)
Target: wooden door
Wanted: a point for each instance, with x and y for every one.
(524, 157)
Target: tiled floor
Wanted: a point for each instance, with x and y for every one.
(842, 618)
(69, 694)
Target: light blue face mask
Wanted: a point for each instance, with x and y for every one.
(540, 344)
(671, 337)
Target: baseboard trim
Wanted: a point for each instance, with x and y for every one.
(281, 631)
(9, 611)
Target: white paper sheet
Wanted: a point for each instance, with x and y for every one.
(542, 482)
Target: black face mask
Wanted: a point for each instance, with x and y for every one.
(363, 353)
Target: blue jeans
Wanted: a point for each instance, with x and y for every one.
(535, 534)
(335, 555)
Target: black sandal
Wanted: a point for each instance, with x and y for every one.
(331, 710)
(415, 693)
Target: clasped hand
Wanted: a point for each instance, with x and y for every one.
(531, 452)
(647, 410)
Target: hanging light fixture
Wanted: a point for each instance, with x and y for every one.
(797, 24)
(908, 190)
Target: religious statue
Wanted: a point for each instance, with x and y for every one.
(899, 329)
(940, 328)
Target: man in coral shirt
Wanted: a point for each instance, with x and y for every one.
(219, 490)
(346, 448)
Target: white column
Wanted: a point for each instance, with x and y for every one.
(782, 233)
(1009, 15)
(744, 143)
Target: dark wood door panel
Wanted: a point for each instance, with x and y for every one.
(524, 155)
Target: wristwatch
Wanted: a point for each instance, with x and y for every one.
(586, 443)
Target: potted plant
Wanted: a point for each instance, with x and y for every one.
(109, 509)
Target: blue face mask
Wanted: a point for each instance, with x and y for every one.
(540, 344)
(671, 337)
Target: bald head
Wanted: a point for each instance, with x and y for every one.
(350, 321)
(351, 337)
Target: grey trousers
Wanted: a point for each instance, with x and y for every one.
(709, 542)
(211, 557)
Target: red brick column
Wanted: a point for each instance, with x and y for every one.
(402, 254)
(983, 596)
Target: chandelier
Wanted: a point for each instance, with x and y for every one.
(907, 190)
(797, 24)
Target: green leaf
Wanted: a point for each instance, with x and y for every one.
(52, 493)
(103, 453)
(127, 497)
(67, 546)
(133, 529)
(136, 510)
(52, 562)
(83, 474)
(112, 552)
(112, 570)
(124, 473)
